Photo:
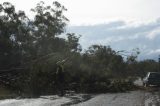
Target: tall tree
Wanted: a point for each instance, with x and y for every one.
(48, 23)
(13, 34)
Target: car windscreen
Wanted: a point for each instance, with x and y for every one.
(154, 75)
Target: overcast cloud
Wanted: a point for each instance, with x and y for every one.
(122, 36)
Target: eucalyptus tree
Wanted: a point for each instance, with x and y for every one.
(48, 23)
(13, 35)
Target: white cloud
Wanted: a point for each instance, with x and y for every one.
(100, 11)
(157, 51)
(153, 34)
(122, 36)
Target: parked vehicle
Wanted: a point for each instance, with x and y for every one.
(152, 78)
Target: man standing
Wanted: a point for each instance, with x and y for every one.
(60, 76)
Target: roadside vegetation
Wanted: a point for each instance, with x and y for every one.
(33, 46)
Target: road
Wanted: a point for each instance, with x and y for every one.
(148, 97)
(132, 98)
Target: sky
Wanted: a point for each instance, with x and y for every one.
(122, 24)
(86, 12)
(120, 35)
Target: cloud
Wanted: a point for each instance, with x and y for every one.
(157, 51)
(153, 34)
(121, 36)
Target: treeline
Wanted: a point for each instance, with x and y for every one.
(34, 46)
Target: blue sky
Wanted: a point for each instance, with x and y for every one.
(122, 24)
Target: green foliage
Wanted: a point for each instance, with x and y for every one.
(121, 85)
(12, 33)
(73, 42)
(49, 22)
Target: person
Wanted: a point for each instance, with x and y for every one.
(60, 76)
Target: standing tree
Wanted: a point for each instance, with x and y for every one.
(13, 36)
(48, 23)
